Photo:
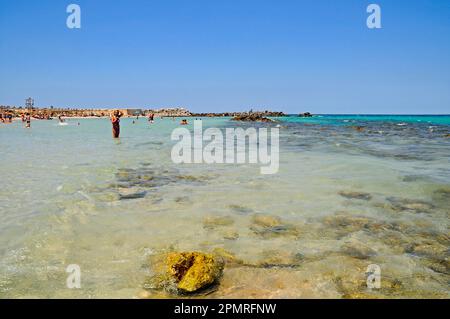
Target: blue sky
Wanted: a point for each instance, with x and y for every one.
(294, 56)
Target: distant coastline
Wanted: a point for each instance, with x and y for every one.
(51, 112)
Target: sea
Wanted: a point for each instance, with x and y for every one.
(359, 208)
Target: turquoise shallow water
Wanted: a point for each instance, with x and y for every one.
(344, 198)
(341, 119)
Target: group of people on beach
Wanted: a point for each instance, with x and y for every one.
(7, 118)
(115, 121)
(114, 117)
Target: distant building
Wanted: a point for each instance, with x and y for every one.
(132, 112)
(29, 103)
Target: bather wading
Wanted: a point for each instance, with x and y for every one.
(115, 120)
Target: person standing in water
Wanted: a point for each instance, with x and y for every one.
(115, 120)
(28, 120)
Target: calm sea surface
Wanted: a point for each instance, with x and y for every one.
(344, 198)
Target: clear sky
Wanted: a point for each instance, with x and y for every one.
(227, 55)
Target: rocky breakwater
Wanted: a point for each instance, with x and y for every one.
(169, 112)
(252, 117)
(241, 114)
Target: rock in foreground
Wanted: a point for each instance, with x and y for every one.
(193, 270)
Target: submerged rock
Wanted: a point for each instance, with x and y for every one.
(356, 195)
(343, 224)
(193, 270)
(442, 194)
(412, 178)
(356, 249)
(270, 226)
(268, 283)
(409, 205)
(428, 248)
(228, 257)
(182, 199)
(441, 266)
(266, 220)
(230, 235)
(396, 240)
(280, 259)
(217, 221)
(147, 178)
(358, 128)
(131, 194)
(240, 209)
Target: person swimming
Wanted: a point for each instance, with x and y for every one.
(184, 122)
(115, 120)
(61, 120)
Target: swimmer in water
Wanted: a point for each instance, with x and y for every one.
(115, 120)
(184, 122)
(61, 120)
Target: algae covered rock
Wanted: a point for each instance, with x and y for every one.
(193, 270)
